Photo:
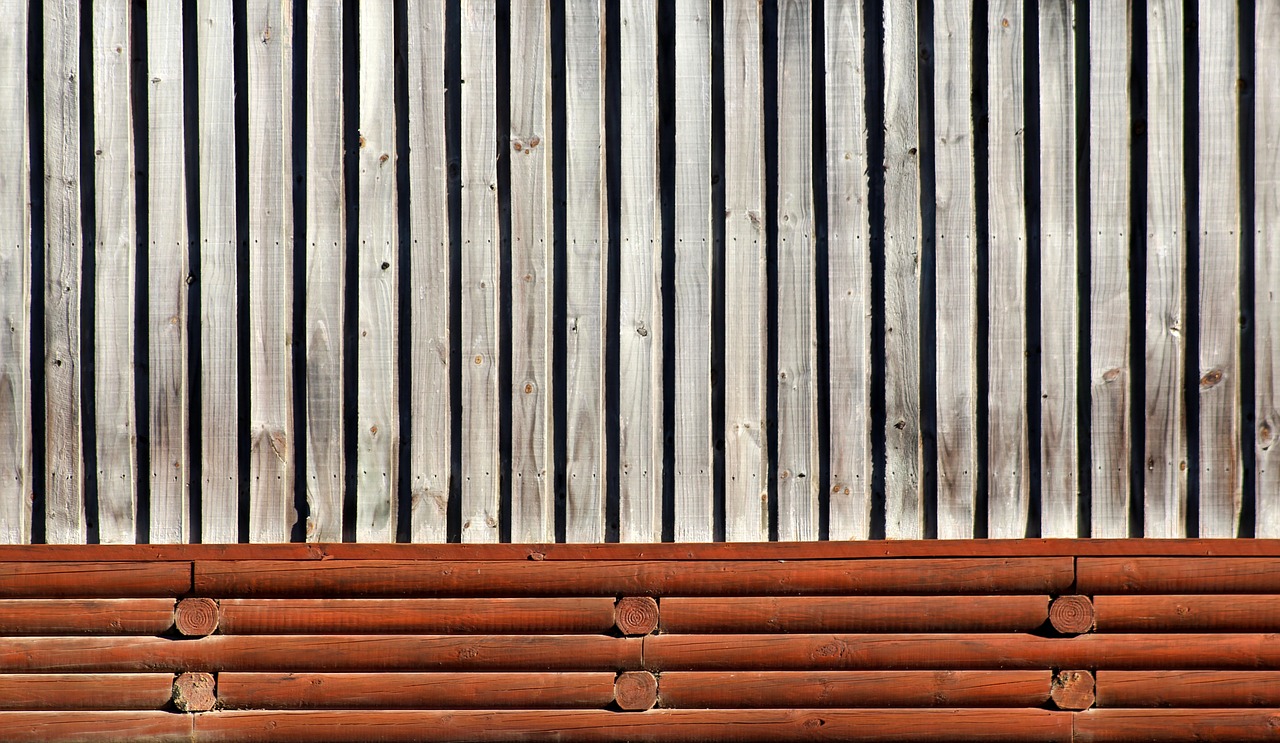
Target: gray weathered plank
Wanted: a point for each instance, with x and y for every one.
(115, 256)
(532, 474)
(1266, 298)
(1221, 474)
(957, 276)
(1110, 379)
(1166, 428)
(167, 274)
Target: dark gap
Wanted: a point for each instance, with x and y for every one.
(717, 270)
(1248, 347)
(559, 290)
(666, 26)
(1191, 275)
(298, 350)
(88, 273)
(141, 296)
(1138, 269)
(36, 359)
(502, 141)
(453, 147)
(769, 49)
(239, 22)
(982, 245)
(1031, 132)
(613, 186)
(191, 160)
(1084, 278)
(351, 256)
(822, 309)
(404, 283)
(873, 66)
(928, 273)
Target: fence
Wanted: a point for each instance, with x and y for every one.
(628, 270)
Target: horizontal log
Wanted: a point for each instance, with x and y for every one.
(94, 579)
(547, 616)
(1188, 613)
(283, 579)
(958, 652)
(1188, 689)
(321, 653)
(1158, 726)
(854, 614)
(655, 726)
(85, 616)
(85, 691)
(1101, 575)
(416, 690)
(792, 689)
(96, 727)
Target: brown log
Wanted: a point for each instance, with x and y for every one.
(194, 692)
(85, 691)
(1188, 689)
(196, 617)
(95, 727)
(655, 726)
(321, 653)
(85, 616)
(1099, 575)
(415, 690)
(1072, 690)
(1159, 726)
(791, 689)
(636, 691)
(854, 614)
(266, 578)
(413, 616)
(94, 579)
(1239, 613)
(1071, 615)
(636, 615)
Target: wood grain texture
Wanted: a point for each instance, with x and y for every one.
(904, 499)
(1188, 613)
(269, 39)
(16, 485)
(111, 616)
(480, 248)
(957, 270)
(379, 691)
(797, 340)
(1188, 688)
(1166, 425)
(540, 616)
(640, 322)
(792, 689)
(167, 275)
(532, 275)
(1008, 464)
(1160, 725)
(586, 287)
(1110, 378)
(1266, 251)
(85, 726)
(431, 352)
(219, 398)
(94, 579)
(854, 614)
(1221, 470)
(1176, 575)
(746, 452)
(87, 691)
(377, 402)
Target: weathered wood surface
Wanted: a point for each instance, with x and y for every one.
(1266, 251)
(383, 691)
(196, 617)
(85, 691)
(1188, 688)
(85, 726)
(407, 616)
(94, 579)
(1172, 575)
(854, 614)
(1073, 690)
(107, 616)
(1158, 726)
(794, 689)
(1188, 613)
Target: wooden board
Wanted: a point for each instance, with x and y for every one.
(957, 269)
(377, 691)
(16, 485)
(377, 423)
(219, 398)
(431, 351)
(94, 579)
(1266, 251)
(1174, 575)
(1161, 725)
(1110, 378)
(532, 275)
(537, 616)
(1187, 613)
(787, 614)
(1188, 689)
(109, 616)
(1166, 426)
(55, 691)
(167, 275)
(792, 689)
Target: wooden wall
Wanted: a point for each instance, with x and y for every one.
(597, 270)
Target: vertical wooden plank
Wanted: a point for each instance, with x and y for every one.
(430, 407)
(115, 258)
(1059, 265)
(848, 274)
(904, 514)
(378, 426)
(957, 259)
(219, 403)
(15, 284)
(746, 457)
(1166, 428)
(167, 274)
(1266, 297)
(270, 51)
(797, 328)
(1008, 485)
(480, 476)
(584, 272)
(1220, 466)
(532, 477)
(640, 274)
(1110, 381)
(326, 271)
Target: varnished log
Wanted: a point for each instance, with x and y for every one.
(543, 616)
(1174, 575)
(94, 727)
(636, 615)
(1073, 690)
(1188, 613)
(194, 692)
(792, 689)
(196, 617)
(635, 691)
(85, 616)
(1071, 615)
(1188, 689)
(94, 579)
(1159, 726)
(854, 614)
(85, 691)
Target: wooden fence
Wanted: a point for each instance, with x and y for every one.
(598, 270)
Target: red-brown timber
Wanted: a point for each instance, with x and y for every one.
(85, 616)
(94, 579)
(635, 691)
(793, 689)
(194, 692)
(854, 614)
(1188, 689)
(90, 727)
(1159, 726)
(196, 617)
(85, 691)
(1188, 613)
(546, 616)
(1171, 575)
(1073, 690)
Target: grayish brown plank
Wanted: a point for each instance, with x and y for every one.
(1267, 267)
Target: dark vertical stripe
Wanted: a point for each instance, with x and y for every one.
(1248, 194)
(88, 274)
(559, 290)
(982, 245)
(298, 349)
(667, 206)
(873, 65)
(1191, 322)
(1031, 70)
(717, 271)
(613, 187)
(822, 309)
(502, 144)
(769, 30)
(1138, 270)
(404, 275)
(351, 255)
(453, 147)
(928, 242)
(241, 70)
(141, 296)
(1084, 277)
(191, 160)
(35, 362)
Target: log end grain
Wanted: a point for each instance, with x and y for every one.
(635, 691)
(1073, 690)
(194, 692)
(196, 617)
(1072, 615)
(636, 615)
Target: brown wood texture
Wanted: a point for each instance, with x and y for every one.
(94, 579)
(1177, 575)
(1158, 726)
(266, 578)
(636, 615)
(196, 617)
(321, 653)
(1188, 689)
(791, 689)
(85, 691)
(707, 615)
(635, 691)
(85, 616)
(1188, 613)
(552, 616)
(1071, 615)
(194, 692)
(91, 727)
(1072, 690)
(416, 690)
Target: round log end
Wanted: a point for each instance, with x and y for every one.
(636, 615)
(635, 691)
(194, 692)
(1072, 690)
(196, 617)
(1071, 615)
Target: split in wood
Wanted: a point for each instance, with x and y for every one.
(1073, 690)
(194, 692)
(196, 617)
(636, 691)
(1072, 615)
(636, 615)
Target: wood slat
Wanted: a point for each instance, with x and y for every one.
(1176, 575)
(1266, 251)
(85, 726)
(794, 689)
(94, 579)
(111, 616)
(1187, 613)
(854, 614)
(87, 691)
(381, 691)
(415, 616)
(1156, 726)
(1188, 689)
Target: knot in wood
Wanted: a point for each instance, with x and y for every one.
(196, 617)
(636, 615)
(1071, 615)
(635, 691)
